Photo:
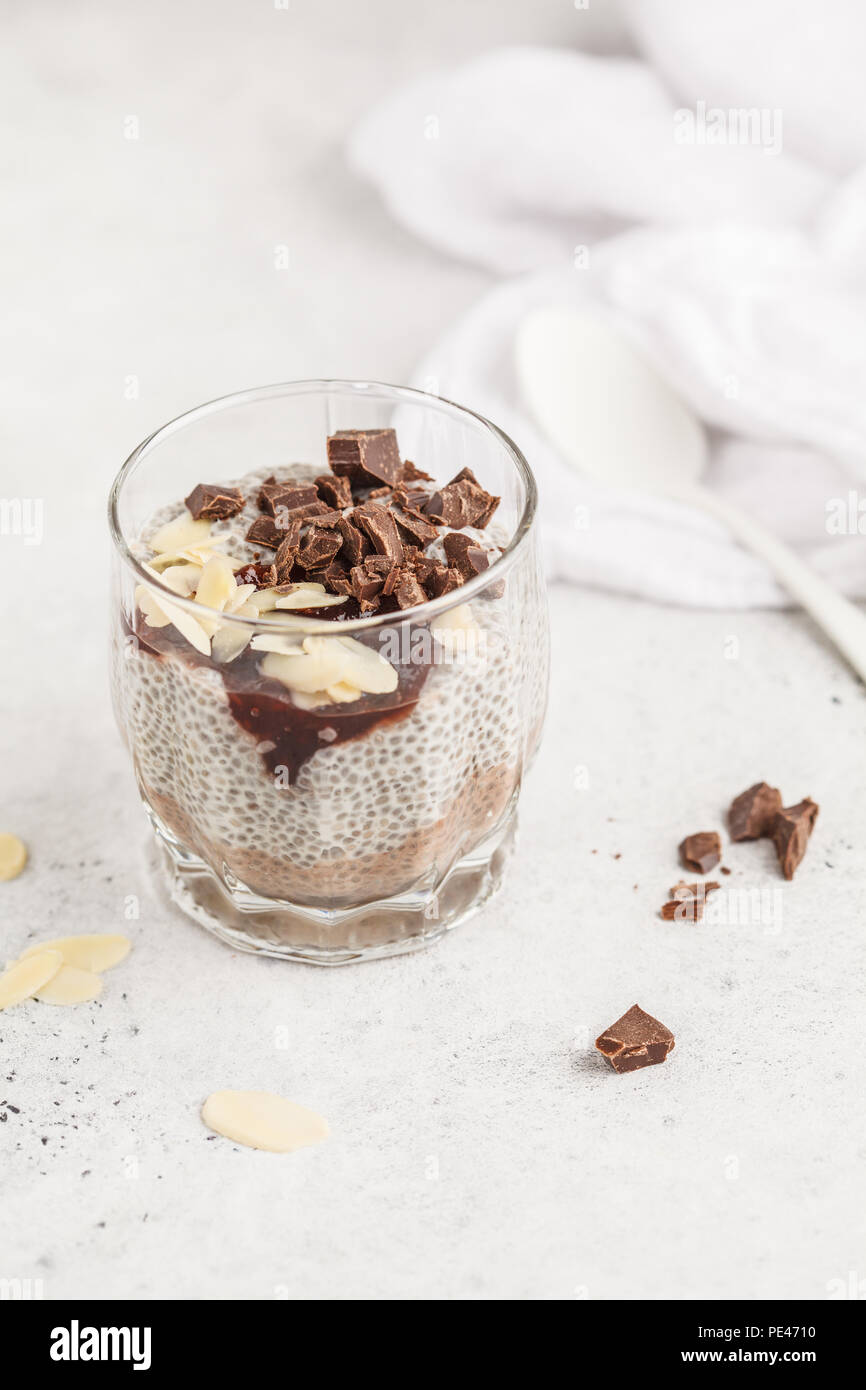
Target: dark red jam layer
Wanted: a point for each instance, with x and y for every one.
(288, 735)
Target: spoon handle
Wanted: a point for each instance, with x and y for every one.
(842, 620)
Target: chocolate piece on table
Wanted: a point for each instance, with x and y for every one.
(263, 576)
(688, 900)
(443, 580)
(636, 1040)
(318, 548)
(367, 457)
(378, 523)
(407, 590)
(287, 495)
(336, 491)
(701, 852)
(355, 543)
(791, 830)
(465, 554)
(213, 502)
(414, 527)
(752, 812)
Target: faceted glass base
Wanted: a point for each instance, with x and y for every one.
(415, 918)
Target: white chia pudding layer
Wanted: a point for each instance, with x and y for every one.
(364, 818)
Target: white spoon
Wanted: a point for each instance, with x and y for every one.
(608, 413)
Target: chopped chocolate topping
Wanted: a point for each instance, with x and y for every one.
(366, 587)
(462, 502)
(374, 492)
(378, 524)
(263, 576)
(287, 551)
(367, 457)
(265, 531)
(410, 474)
(701, 852)
(337, 492)
(309, 511)
(443, 580)
(334, 576)
(635, 1040)
(213, 502)
(752, 813)
(319, 547)
(791, 830)
(407, 590)
(465, 554)
(355, 543)
(414, 527)
(287, 495)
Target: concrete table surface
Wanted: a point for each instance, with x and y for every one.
(480, 1148)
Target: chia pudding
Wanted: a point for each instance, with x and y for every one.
(312, 767)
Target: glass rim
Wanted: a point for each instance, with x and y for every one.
(430, 608)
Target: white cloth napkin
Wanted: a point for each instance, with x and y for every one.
(740, 270)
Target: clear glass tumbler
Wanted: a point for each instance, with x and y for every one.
(384, 837)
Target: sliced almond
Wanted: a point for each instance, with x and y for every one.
(362, 667)
(217, 583)
(306, 670)
(261, 1120)
(458, 619)
(96, 951)
(284, 643)
(264, 599)
(342, 693)
(160, 611)
(70, 986)
(13, 856)
(311, 700)
(180, 533)
(308, 596)
(25, 977)
(231, 638)
(239, 598)
(183, 579)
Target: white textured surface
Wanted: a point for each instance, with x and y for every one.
(479, 1147)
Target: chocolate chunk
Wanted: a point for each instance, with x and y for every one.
(287, 551)
(337, 492)
(701, 852)
(443, 580)
(378, 523)
(213, 502)
(407, 590)
(424, 566)
(355, 543)
(287, 495)
(461, 503)
(371, 493)
(465, 554)
(317, 511)
(366, 587)
(752, 812)
(791, 830)
(265, 531)
(334, 576)
(367, 457)
(414, 527)
(635, 1040)
(410, 474)
(318, 548)
(263, 576)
